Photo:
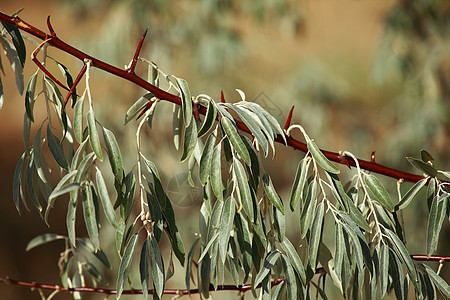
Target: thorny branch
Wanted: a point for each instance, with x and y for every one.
(128, 74)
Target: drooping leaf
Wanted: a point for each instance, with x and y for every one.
(57, 149)
(205, 161)
(291, 282)
(235, 139)
(105, 199)
(98, 253)
(186, 105)
(410, 194)
(403, 253)
(244, 189)
(89, 215)
(272, 193)
(299, 182)
(137, 107)
(16, 182)
(379, 191)
(384, 267)
(95, 273)
(210, 118)
(14, 61)
(316, 236)
(157, 266)
(115, 158)
(93, 135)
(279, 224)
(216, 172)
(226, 225)
(70, 221)
(435, 221)
(294, 259)
(422, 166)
(269, 263)
(177, 126)
(125, 263)
(308, 209)
(78, 120)
(190, 140)
(69, 81)
(320, 158)
(189, 260)
(438, 281)
(58, 191)
(17, 41)
(29, 96)
(43, 239)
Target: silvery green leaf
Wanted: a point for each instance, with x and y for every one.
(438, 281)
(308, 209)
(226, 225)
(251, 120)
(384, 268)
(43, 239)
(422, 166)
(137, 107)
(115, 158)
(426, 157)
(84, 167)
(78, 120)
(320, 158)
(244, 190)
(299, 182)
(177, 126)
(435, 221)
(210, 118)
(291, 282)
(216, 172)
(16, 182)
(271, 193)
(185, 100)
(157, 266)
(410, 194)
(125, 263)
(269, 263)
(65, 72)
(245, 243)
(70, 221)
(294, 259)
(98, 253)
(204, 275)
(59, 190)
(90, 219)
(208, 246)
(56, 148)
(188, 274)
(379, 191)
(279, 224)
(403, 253)
(105, 199)
(190, 140)
(14, 61)
(206, 158)
(93, 135)
(271, 119)
(29, 96)
(235, 139)
(26, 131)
(17, 40)
(316, 236)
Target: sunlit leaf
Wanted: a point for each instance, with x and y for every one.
(14, 61)
(105, 199)
(57, 149)
(244, 189)
(17, 41)
(269, 262)
(299, 182)
(78, 120)
(384, 267)
(190, 140)
(93, 135)
(216, 172)
(438, 281)
(210, 118)
(43, 239)
(272, 193)
(29, 96)
(235, 139)
(177, 126)
(379, 191)
(89, 215)
(186, 101)
(16, 182)
(400, 249)
(308, 209)
(435, 221)
(291, 282)
(294, 259)
(157, 266)
(321, 159)
(205, 161)
(125, 263)
(422, 166)
(115, 158)
(316, 236)
(410, 194)
(137, 107)
(226, 225)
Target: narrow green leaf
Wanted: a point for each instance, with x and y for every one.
(226, 225)
(186, 102)
(271, 193)
(438, 281)
(189, 260)
(43, 239)
(356, 215)
(269, 263)
(316, 236)
(279, 224)
(143, 268)
(208, 246)
(14, 61)
(93, 135)
(125, 263)
(98, 253)
(70, 221)
(400, 249)
(17, 41)
(294, 259)
(211, 114)
(157, 266)
(422, 166)
(308, 209)
(235, 139)
(379, 191)
(190, 140)
(69, 81)
(65, 272)
(177, 126)
(78, 120)
(384, 268)
(137, 107)
(244, 190)
(58, 191)
(205, 161)
(410, 194)
(321, 159)
(216, 172)
(29, 96)
(435, 221)
(105, 199)
(204, 276)
(299, 182)
(291, 282)
(426, 157)
(16, 182)
(84, 167)
(115, 158)
(90, 219)
(57, 149)
(95, 273)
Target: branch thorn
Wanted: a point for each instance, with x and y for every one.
(288, 121)
(222, 98)
(372, 157)
(132, 66)
(147, 107)
(50, 28)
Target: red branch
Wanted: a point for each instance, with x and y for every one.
(54, 41)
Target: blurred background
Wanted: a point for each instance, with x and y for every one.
(363, 75)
